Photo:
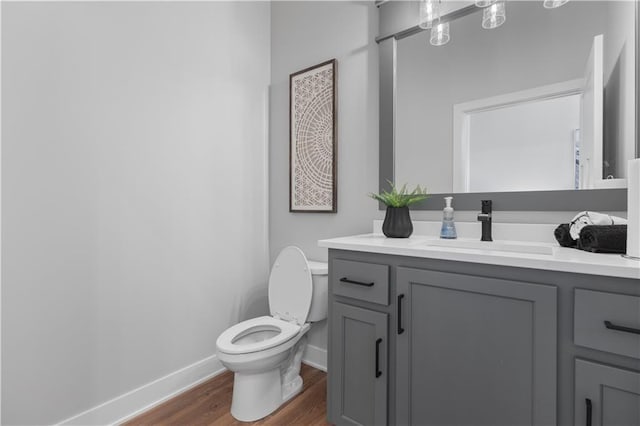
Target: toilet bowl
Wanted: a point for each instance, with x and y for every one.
(265, 352)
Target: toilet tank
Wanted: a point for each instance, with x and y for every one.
(319, 299)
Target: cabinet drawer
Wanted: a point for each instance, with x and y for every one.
(607, 321)
(360, 280)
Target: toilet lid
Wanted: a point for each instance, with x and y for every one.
(290, 286)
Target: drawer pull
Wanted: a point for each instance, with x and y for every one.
(400, 328)
(612, 326)
(378, 372)
(589, 411)
(347, 280)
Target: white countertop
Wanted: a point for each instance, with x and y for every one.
(562, 259)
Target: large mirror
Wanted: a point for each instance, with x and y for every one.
(546, 102)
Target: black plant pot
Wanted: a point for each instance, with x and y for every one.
(397, 222)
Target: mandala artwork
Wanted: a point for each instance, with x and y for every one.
(312, 139)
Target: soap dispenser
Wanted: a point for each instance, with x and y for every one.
(448, 226)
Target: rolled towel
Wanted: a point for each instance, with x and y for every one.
(603, 238)
(563, 236)
(583, 219)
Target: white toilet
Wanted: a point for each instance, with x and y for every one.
(265, 352)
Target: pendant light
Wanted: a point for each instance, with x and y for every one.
(439, 30)
(440, 34)
(429, 12)
(494, 15)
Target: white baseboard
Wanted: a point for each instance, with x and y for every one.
(315, 357)
(132, 403)
(137, 401)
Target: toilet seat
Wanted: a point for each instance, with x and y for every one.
(227, 342)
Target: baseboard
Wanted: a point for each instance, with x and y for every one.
(315, 357)
(137, 401)
(130, 404)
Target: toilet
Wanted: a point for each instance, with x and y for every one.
(265, 352)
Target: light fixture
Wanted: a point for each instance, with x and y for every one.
(494, 16)
(485, 3)
(552, 4)
(440, 34)
(429, 12)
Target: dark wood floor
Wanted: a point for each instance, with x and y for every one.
(209, 404)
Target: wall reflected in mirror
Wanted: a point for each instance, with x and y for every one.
(544, 102)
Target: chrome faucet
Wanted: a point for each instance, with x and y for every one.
(485, 218)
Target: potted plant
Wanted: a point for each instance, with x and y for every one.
(397, 221)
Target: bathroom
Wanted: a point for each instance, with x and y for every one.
(145, 189)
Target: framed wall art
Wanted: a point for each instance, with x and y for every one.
(312, 139)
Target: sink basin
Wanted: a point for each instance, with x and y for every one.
(508, 246)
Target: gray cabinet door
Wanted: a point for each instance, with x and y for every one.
(606, 396)
(474, 350)
(358, 376)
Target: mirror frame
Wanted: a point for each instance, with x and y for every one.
(398, 20)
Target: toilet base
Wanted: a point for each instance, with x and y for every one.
(256, 395)
(291, 389)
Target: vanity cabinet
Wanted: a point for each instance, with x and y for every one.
(609, 322)
(359, 337)
(605, 395)
(359, 378)
(463, 343)
(474, 350)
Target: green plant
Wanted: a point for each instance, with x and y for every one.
(401, 197)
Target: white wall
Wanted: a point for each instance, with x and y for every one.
(304, 34)
(133, 183)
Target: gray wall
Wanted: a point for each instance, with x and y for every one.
(134, 197)
(304, 34)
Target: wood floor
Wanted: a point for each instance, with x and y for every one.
(209, 404)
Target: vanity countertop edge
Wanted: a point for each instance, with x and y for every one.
(562, 259)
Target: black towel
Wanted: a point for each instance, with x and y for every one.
(563, 236)
(603, 238)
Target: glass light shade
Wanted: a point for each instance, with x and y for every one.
(494, 16)
(485, 3)
(429, 12)
(552, 4)
(440, 34)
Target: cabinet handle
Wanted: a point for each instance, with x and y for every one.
(400, 329)
(589, 411)
(378, 372)
(347, 280)
(612, 326)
